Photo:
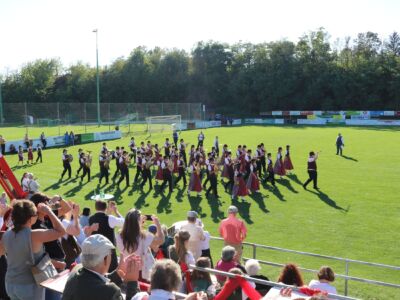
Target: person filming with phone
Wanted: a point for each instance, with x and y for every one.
(134, 239)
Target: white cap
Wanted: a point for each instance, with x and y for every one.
(95, 248)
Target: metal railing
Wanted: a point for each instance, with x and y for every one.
(263, 282)
(347, 262)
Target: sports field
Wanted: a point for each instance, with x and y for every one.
(354, 215)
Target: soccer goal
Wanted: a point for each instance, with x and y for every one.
(163, 124)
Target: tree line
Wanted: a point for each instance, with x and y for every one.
(243, 78)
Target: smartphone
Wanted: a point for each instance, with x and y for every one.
(149, 218)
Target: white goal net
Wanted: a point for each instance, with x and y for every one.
(163, 124)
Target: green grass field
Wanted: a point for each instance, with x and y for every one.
(355, 215)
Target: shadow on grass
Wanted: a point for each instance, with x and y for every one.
(216, 214)
(295, 179)
(180, 194)
(195, 205)
(141, 201)
(18, 167)
(274, 190)
(350, 158)
(286, 183)
(259, 199)
(328, 200)
(164, 205)
(244, 210)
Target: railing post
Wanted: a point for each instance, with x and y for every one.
(346, 281)
(254, 251)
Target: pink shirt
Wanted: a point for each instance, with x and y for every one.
(232, 230)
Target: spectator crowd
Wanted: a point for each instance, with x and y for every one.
(111, 256)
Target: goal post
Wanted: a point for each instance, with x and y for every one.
(163, 124)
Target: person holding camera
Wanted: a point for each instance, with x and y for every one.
(134, 239)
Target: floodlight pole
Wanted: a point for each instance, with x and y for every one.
(97, 79)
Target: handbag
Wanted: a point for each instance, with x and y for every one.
(71, 249)
(148, 262)
(44, 269)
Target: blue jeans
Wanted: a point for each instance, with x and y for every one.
(52, 295)
(24, 291)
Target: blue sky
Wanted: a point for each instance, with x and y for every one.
(32, 29)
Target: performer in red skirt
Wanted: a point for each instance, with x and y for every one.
(253, 183)
(279, 168)
(159, 174)
(174, 158)
(287, 163)
(195, 181)
(239, 187)
(227, 164)
(30, 155)
(157, 155)
(20, 155)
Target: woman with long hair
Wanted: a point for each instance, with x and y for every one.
(133, 238)
(24, 248)
(179, 252)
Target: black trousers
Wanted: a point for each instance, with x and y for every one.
(117, 170)
(270, 177)
(213, 185)
(182, 176)
(167, 179)
(207, 178)
(80, 168)
(104, 173)
(44, 143)
(230, 182)
(86, 171)
(312, 176)
(67, 167)
(139, 172)
(339, 149)
(146, 176)
(259, 168)
(176, 142)
(39, 157)
(124, 175)
(183, 153)
(199, 143)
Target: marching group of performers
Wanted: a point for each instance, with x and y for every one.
(170, 163)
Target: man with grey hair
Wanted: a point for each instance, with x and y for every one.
(233, 231)
(89, 282)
